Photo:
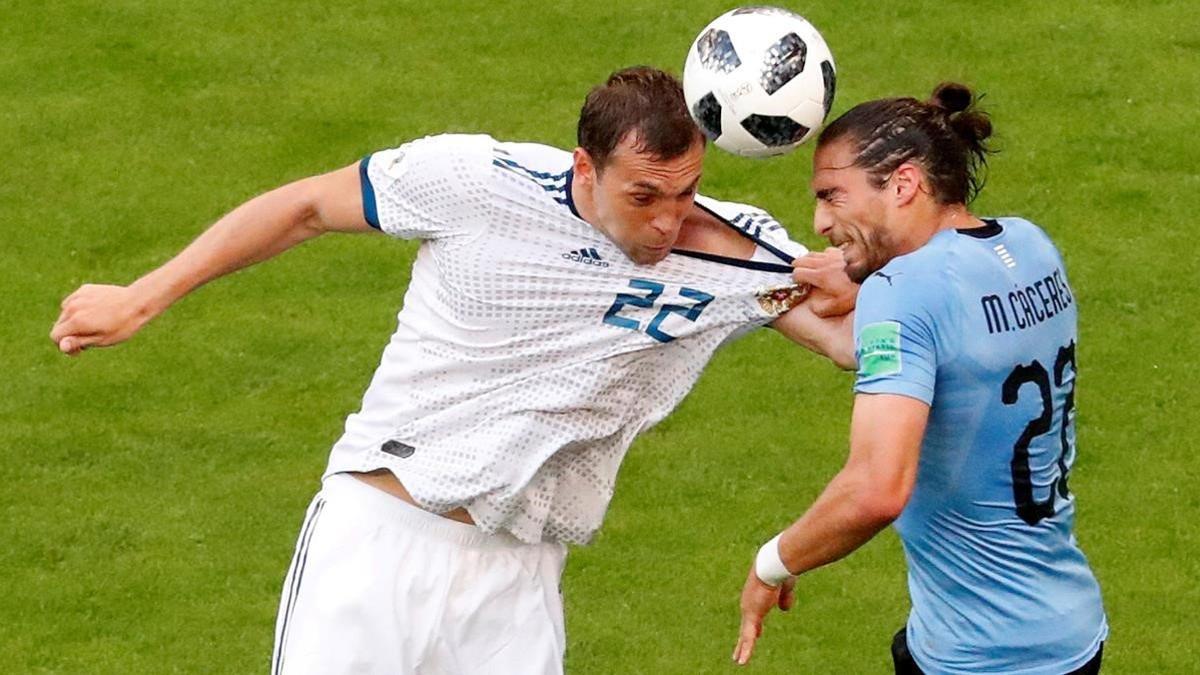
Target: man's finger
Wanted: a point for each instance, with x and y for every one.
(812, 277)
(745, 647)
(68, 346)
(824, 307)
(72, 324)
(66, 325)
(810, 261)
(74, 344)
(745, 643)
(787, 596)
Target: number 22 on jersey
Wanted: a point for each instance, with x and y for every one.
(1029, 508)
(651, 291)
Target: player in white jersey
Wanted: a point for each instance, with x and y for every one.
(560, 304)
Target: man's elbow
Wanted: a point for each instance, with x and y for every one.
(844, 358)
(879, 508)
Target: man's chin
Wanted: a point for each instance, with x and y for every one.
(650, 256)
(858, 273)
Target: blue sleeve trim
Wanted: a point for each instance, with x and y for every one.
(370, 213)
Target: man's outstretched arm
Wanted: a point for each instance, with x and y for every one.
(103, 315)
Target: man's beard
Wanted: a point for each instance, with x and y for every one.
(876, 253)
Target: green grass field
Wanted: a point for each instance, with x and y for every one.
(152, 492)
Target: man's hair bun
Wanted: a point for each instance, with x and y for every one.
(952, 97)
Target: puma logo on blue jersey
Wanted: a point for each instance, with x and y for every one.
(888, 277)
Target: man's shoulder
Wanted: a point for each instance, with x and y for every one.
(912, 284)
(535, 166)
(753, 221)
(533, 153)
(741, 215)
(481, 150)
(938, 264)
(922, 269)
(457, 155)
(478, 159)
(1022, 232)
(451, 143)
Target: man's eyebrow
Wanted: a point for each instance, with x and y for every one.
(651, 187)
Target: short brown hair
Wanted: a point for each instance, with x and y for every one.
(642, 100)
(945, 135)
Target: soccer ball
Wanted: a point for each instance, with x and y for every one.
(759, 81)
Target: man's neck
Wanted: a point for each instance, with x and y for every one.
(934, 218)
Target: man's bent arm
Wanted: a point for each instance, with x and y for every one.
(96, 315)
(871, 489)
(866, 496)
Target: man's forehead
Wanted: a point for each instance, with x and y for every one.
(832, 164)
(638, 165)
(837, 156)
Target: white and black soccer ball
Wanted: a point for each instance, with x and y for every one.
(759, 81)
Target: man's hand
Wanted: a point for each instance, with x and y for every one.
(758, 599)
(833, 294)
(98, 316)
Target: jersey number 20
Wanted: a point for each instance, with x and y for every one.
(1029, 508)
(651, 292)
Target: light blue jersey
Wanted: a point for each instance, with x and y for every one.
(981, 325)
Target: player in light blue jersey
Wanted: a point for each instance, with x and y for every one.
(962, 431)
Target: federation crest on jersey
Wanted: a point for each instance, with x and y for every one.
(775, 300)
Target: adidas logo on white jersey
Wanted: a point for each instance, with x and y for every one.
(587, 256)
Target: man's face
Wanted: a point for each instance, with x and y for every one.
(640, 202)
(851, 212)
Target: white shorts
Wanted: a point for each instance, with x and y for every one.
(379, 586)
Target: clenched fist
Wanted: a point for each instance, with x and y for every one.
(833, 293)
(98, 316)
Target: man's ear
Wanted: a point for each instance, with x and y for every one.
(906, 183)
(583, 166)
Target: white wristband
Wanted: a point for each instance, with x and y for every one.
(768, 566)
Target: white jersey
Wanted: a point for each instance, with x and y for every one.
(530, 350)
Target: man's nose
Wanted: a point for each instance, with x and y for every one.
(822, 221)
(668, 222)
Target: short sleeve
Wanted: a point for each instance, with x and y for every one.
(431, 188)
(895, 335)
